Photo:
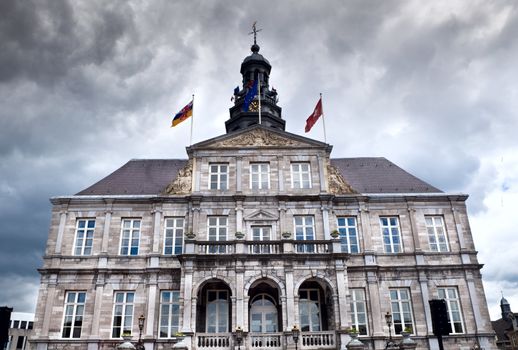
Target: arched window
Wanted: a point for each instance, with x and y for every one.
(263, 314)
(217, 311)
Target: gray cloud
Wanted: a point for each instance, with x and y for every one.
(86, 86)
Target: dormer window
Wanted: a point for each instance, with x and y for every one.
(218, 176)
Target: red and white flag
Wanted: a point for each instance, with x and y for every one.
(314, 116)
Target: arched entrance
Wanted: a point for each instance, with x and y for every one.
(265, 315)
(214, 309)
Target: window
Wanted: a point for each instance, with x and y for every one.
(23, 325)
(169, 313)
(348, 234)
(84, 237)
(31, 325)
(130, 237)
(74, 311)
(218, 176)
(261, 233)
(391, 235)
(300, 175)
(260, 176)
(173, 236)
(401, 309)
(436, 234)
(263, 314)
(20, 343)
(304, 231)
(16, 324)
(309, 310)
(359, 311)
(122, 313)
(451, 296)
(217, 311)
(217, 228)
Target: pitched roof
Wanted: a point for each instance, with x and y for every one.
(152, 176)
(379, 175)
(138, 176)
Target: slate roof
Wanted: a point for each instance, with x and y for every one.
(152, 176)
(501, 327)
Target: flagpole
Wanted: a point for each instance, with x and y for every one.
(192, 118)
(259, 95)
(323, 119)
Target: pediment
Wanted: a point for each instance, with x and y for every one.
(261, 215)
(259, 136)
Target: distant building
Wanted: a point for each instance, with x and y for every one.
(506, 328)
(21, 327)
(259, 230)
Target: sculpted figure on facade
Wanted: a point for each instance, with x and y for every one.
(337, 183)
(183, 182)
(257, 137)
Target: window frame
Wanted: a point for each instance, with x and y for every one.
(174, 300)
(175, 232)
(131, 237)
(400, 302)
(308, 301)
(449, 302)
(390, 227)
(84, 239)
(345, 234)
(123, 316)
(436, 235)
(260, 174)
(355, 302)
(219, 174)
(304, 236)
(75, 304)
(218, 309)
(297, 175)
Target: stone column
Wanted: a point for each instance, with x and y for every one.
(239, 216)
(458, 226)
(151, 303)
(157, 212)
(196, 174)
(280, 165)
(49, 304)
(282, 219)
(290, 299)
(342, 287)
(325, 221)
(375, 304)
(239, 172)
(188, 300)
(425, 297)
(240, 305)
(96, 320)
(475, 304)
(61, 228)
(365, 227)
(195, 220)
(322, 174)
(413, 228)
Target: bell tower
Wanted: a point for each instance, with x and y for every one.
(255, 69)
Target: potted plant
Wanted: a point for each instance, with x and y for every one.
(335, 234)
(190, 235)
(240, 235)
(126, 334)
(286, 235)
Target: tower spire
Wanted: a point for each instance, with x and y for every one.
(254, 32)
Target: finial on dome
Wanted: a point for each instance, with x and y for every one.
(255, 48)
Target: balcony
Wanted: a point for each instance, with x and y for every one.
(288, 246)
(270, 341)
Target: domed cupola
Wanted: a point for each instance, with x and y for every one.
(254, 101)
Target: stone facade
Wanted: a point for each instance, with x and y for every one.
(271, 261)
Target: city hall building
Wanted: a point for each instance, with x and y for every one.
(260, 231)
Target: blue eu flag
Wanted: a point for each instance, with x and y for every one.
(250, 96)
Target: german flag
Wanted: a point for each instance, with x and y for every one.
(185, 113)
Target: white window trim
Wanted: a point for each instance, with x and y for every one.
(132, 230)
(449, 309)
(83, 246)
(434, 227)
(400, 304)
(260, 176)
(169, 323)
(309, 290)
(74, 314)
(175, 228)
(389, 227)
(304, 226)
(354, 310)
(218, 174)
(217, 227)
(347, 228)
(217, 311)
(300, 174)
(124, 303)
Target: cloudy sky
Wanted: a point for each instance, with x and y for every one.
(86, 86)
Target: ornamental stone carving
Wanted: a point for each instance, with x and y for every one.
(337, 183)
(183, 182)
(257, 137)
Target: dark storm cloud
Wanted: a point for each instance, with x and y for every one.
(85, 86)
